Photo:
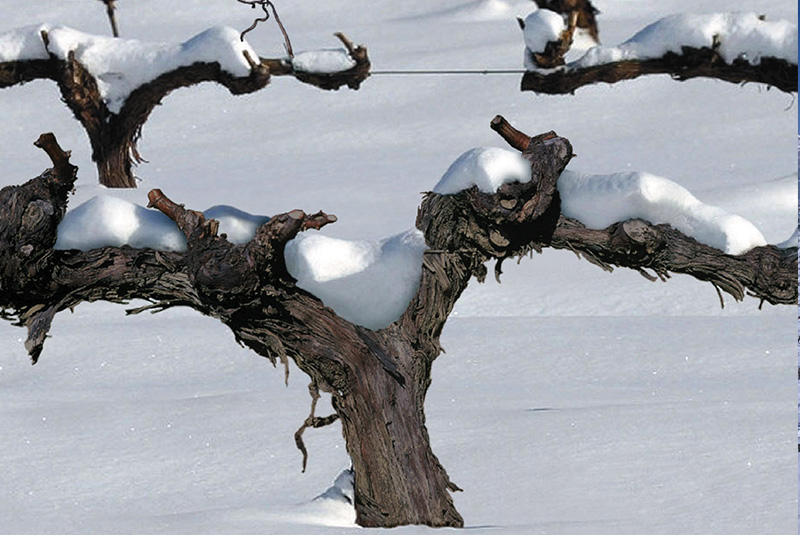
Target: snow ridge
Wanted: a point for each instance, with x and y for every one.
(369, 283)
(598, 201)
(485, 167)
(326, 61)
(738, 35)
(122, 65)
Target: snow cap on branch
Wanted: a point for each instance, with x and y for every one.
(327, 61)
(485, 167)
(744, 36)
(122, 65)
(369, 283)
(598, 201)
(542, 27)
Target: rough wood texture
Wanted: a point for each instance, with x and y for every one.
(378, 380)
(582, 10)
(691, 63)
(113, 136)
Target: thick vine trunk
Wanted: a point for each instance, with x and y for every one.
(114, 153)
(398, 479)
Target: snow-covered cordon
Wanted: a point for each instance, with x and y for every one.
(122, 65)
(601, 200)
(745, 36)
(326, 61)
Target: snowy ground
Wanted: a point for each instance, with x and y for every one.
(570, 400)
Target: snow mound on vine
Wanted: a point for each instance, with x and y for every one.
(541, 27)
(122, 65)
(324, 61)
(598, 201)
(369, 283)
(485, 167)
(106, 221)
(745, 36)
(23, 43)
(238, 225)
(109, 221)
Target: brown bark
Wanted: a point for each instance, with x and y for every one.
(378, 380)
(691, 63)
(582, 10)
(114, 136)
(112, 17)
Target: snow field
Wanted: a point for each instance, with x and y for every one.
(625, 431)
(623, 450)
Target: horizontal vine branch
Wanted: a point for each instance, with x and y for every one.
(690, 63)
(476, 226)
(114, 135)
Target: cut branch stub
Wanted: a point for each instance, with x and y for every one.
(511, 135)
(192, 223)
(554, 51)
(65, 172)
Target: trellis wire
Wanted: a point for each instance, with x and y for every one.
(423, 72)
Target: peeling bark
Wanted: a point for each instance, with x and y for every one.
(378, 380)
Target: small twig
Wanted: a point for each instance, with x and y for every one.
(348, 44)
(312, 421)
(263, 4)
(646, 275)
(722, 299)
(112, 18)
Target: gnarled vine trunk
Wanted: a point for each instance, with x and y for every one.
(378, 380)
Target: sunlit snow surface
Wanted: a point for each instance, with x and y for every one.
(570, 401)
(541, 27)
(323, 61)
(106, 220)
(485, 167)
(369, 283)
(598, 201)
(734, 35)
